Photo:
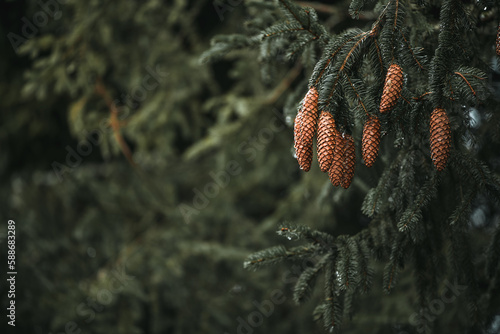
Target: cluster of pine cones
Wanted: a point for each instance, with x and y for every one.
(336, 151)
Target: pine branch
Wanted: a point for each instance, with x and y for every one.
(467, 82)
(413, 215)
(357, 95)
(463, 210)
(396, 261)
(371, 203)
(333, 48)
(305, 283)
(287, 81)
(444, 56)
(493, 255)
(331, 310)
(300, 14)
(276, 255)
(325, 240)
(114, 122)
(410, 49)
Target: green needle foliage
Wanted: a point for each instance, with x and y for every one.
(421, 228)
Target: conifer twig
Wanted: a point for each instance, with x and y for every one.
(363, 35)
(411, 51)
(284, 84)
(316, 36)
(356, 92)
(114, 121)
(467, 82)
(333, 56)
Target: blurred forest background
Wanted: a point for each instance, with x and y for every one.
(140, 177)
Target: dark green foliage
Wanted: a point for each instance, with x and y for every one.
(420, 218)
(198, 171)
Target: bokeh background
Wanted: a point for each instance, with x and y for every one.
(140, 176)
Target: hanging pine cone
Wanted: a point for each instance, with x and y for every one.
(371, 140)
(440, 138)
(336, 171)
(341, 170)
(392, 88)
(326, 140)
(304, 128)
(349, 162)
(498, 40)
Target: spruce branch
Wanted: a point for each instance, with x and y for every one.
(360, 100)
(452, 15)
(307, 18)
(331, 310)
(396, 262)
(275, 255)
(493, 254)
(467, 82)
(371, 203)
(305, 283)
(115, 123)
(332, 49)
(463, 210)
(282, 87)
(413, 215)
(300, 232)
(410, 49)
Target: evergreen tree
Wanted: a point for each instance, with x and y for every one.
(418, 80)
(142, 165)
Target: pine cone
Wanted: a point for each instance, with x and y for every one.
(349, 162)
(440, 138)
(392, 88)
(336, 171)
(371, 140)
(498, 40)
(341, 171)
(326, 140)
(305, 126)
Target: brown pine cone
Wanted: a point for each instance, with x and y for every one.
(440, 138)
(336, 171)
(349, 161)
(326, 140)
(392, 88)
(304, 133)
(371, 140)
(498, 40)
